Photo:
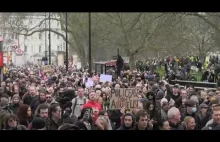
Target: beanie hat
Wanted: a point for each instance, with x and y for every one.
(160, 95)
(194, 98)
(38, 123)
(201, 106)
(190, 103)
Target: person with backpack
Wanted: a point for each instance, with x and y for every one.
(78, 102)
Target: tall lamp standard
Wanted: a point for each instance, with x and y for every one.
(66, 44)
(90, 48)
(49, 42)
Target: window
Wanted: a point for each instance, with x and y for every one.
(58, 24)
(25, 48)
(39, 48)
(64, 45)
(40, 35)
(4, 35)
(32, 48)
(16, 36)
(58, 48)
(58, 37)
(12, 36)
(25, 37)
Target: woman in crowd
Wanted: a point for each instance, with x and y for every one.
(12, 123)
(15, 103)
(163, 124)
(189, 123)
(25, 115)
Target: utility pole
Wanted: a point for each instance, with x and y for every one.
(49, 42)
(46, 37)
(67, 43)
(90, 46)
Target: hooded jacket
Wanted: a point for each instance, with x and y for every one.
(123, 127)
(15, 107)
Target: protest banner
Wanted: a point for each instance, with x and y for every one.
(105, 78)
(89, 83)
(47, 68)
(124, 97)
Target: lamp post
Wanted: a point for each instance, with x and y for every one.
(66, 44)
(90, 48)
(45, 37)
(49, 42)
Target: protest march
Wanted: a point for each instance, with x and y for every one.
(34, 97)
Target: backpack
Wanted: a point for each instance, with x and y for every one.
(76, 103)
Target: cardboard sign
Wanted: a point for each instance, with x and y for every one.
(89, 83)
(105, 78)
(47, 68)
(127, 97)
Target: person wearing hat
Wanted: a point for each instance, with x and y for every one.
(202, 115)
(38, 124)
(191, 110)
(159, 96)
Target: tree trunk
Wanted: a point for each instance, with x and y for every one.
(132, 62)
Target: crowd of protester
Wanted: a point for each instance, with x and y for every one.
(31, 99)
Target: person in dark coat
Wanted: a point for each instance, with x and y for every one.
(128, 122)
(39, 100)
(174, 119)
(30, 96)
(115, 117)
(191, 110)
(142, 121)
(153, 113)
(24, 115)
(14, 105)
(202, 116)
(54, 117)
(159, 97)
(12, 123)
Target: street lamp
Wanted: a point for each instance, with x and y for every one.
(66, 44)
(49, 42)
(90, 48)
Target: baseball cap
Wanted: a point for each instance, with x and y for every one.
(203, 106)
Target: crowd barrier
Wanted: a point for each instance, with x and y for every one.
(197, 85)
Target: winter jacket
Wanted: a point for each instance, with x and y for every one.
(176, 126)
(19, 127)
(14, 108)
(123, 127)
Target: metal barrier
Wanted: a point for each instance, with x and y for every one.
(198, 88)
(194, 83)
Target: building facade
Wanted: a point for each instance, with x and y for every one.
(32, 48)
